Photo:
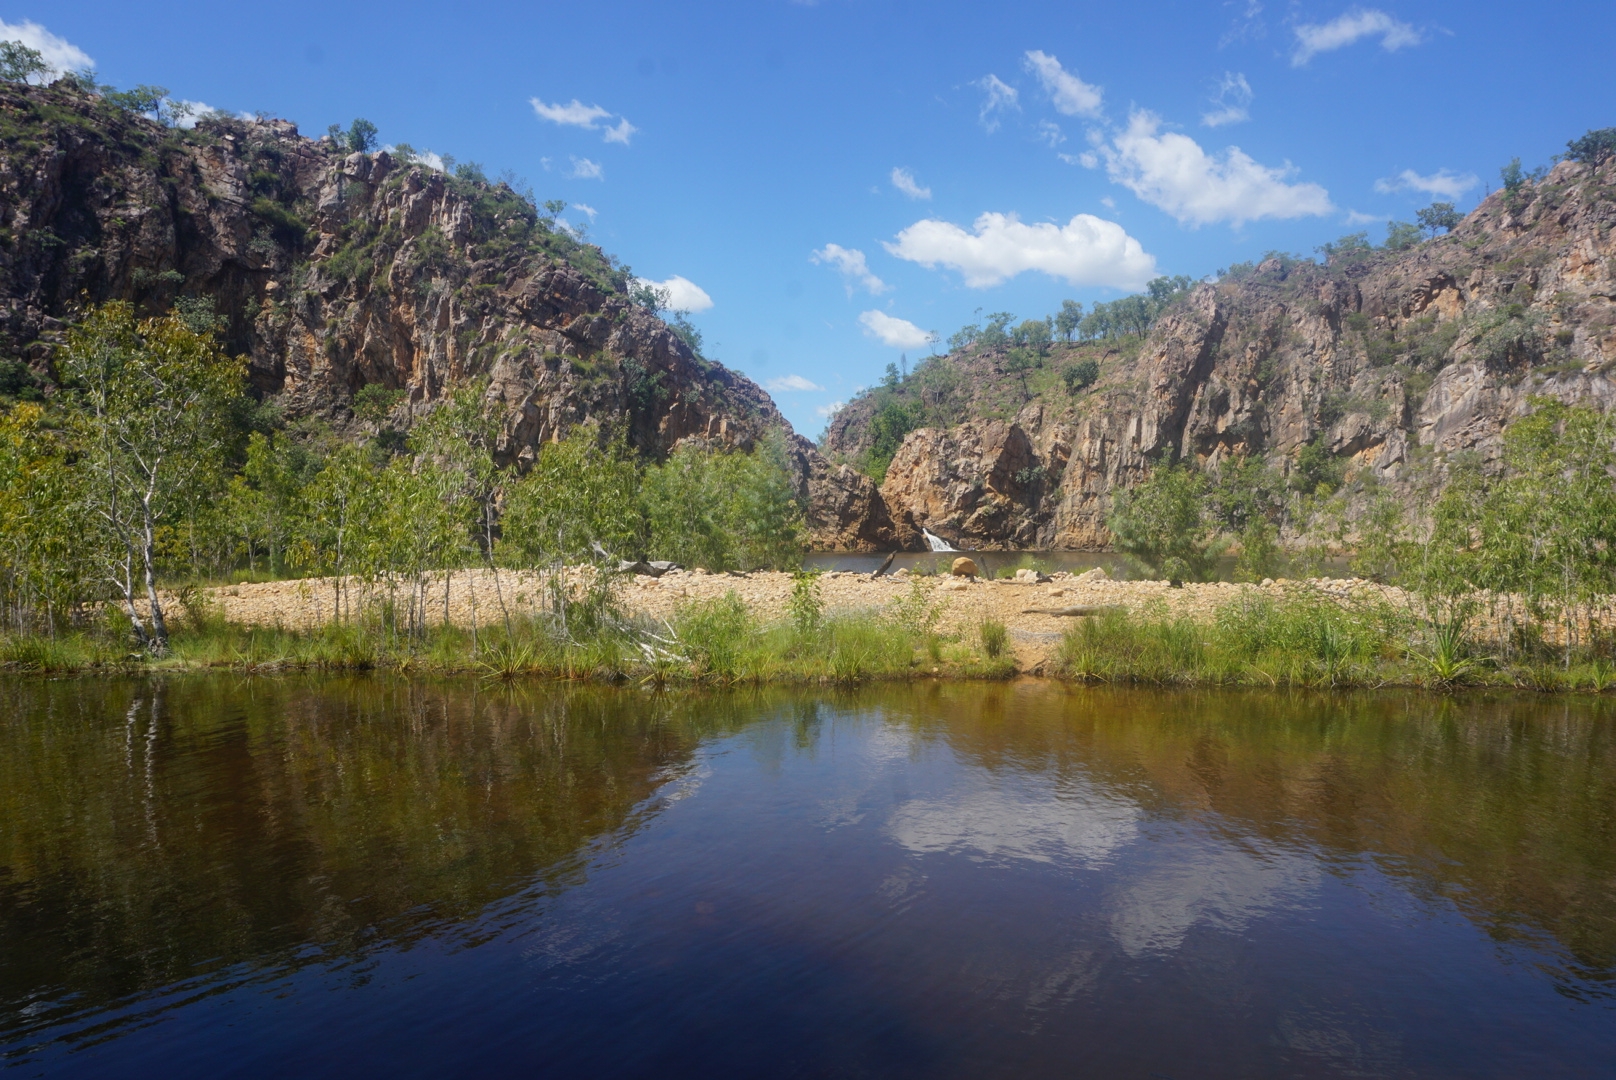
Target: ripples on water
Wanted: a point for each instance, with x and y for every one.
(373, 877)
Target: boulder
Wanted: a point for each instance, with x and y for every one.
(963, 567)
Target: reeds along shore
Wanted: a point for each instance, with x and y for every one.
(1302, 637)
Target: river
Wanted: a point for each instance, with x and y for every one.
(268, 877)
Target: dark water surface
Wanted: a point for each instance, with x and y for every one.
(275, 877)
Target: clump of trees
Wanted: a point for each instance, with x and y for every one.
(150, 466)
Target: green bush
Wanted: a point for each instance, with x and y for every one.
(1081, 375)
(1162, 525)
(724, 510)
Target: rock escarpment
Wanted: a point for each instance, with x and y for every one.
(333, 271)
(1391, 362)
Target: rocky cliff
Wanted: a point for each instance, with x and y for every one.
(333, 271)
(1391, 363)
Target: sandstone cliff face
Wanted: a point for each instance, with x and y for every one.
(335, 271)
(1392, 362)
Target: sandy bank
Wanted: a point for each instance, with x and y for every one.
(474, 597)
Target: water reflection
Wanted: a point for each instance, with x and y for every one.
(919, 880)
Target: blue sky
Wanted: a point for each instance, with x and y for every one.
(837, 178)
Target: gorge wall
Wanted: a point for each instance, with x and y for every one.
(332, 271)
(1392, 362)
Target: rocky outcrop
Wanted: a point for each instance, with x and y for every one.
(334, 271)
(1391, 362)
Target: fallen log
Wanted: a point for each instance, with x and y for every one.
(1075, 610)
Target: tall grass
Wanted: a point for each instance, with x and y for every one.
(1303, 641)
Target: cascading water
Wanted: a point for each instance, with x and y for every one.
(937, 542)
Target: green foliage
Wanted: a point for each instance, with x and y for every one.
(140, 100)
(1033, 334)
(995, 638)
(155, 399)
(1163, 527)
(1594, 148)
(19, 63)
(1068, 319)
(374, 403)
(1081, 375)
(1317, 471)
(1349, 247)
(893, 420)
(1439, 215)
(723, 510)
(1400, 235)
(360, 138)
(807, 604)
(1545, 531)
(580, 492)
(994, 333)
(287, 227)
(1512, 176)
(686, 332)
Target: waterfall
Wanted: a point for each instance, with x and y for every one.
(937, 542)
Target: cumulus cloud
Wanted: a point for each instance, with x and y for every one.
(893, 331)
(998, 98)
(1049, 132)
(620, 132)
(1349, 29)
(682, 293)
(1084, 251)
(576, 114)
(854, 270)
(828, 411)
(1448, 185)
(790, 384)
(1232, 105)
(1070, 95)
(62, 55)
(188, 113)
(584, 169)
(585, 209)
(904, 181)
(1171, 171)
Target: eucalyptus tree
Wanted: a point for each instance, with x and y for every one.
(156, 401)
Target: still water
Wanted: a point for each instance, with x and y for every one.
(277, 877)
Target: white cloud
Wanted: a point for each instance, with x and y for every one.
(828, 411)
(1232, 105)
(893, 331)
(1354, 217)
(419, 157)
(194, 111)
(620, 132)
(576, 114)
(1084, 251)
(573, 114)
(1350, 28)
(790, 384)
(62, 55)
(585, 209)
(682, 293)
(1071, 95)
(1449, 185)
(997, 98)
(1049, 132)
(584, 169)
(904, 181)
(1171, 171)
(850, 261)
